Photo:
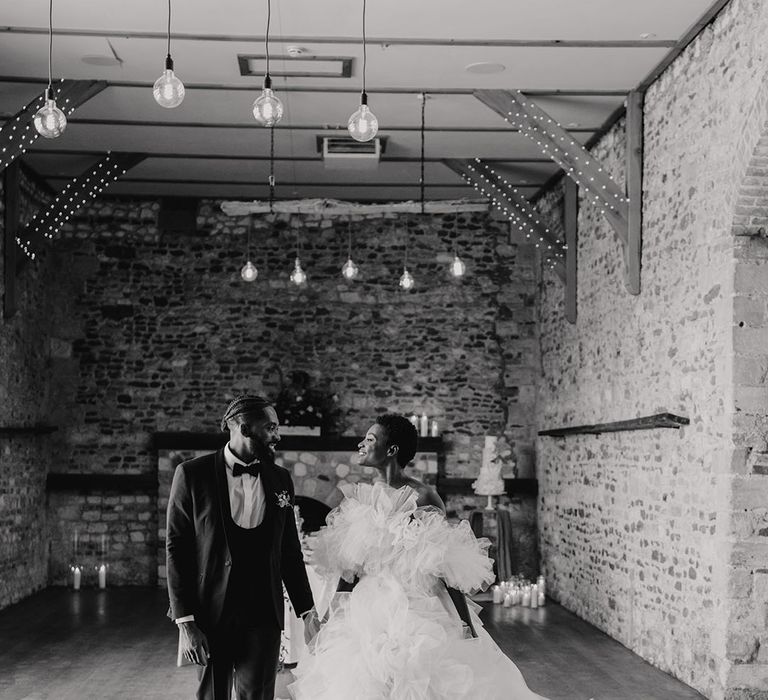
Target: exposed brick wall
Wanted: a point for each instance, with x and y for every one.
(639, 531)
(157, 331)
(25, 375)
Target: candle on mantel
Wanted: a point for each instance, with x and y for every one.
(542, 590)
(508, 600)
(433, 429)
(423, 425)
(103, 576)
(534, 596)
(526, 597)
(76, 576)
(498, 595)
(414, 419)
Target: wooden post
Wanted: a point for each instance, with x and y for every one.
(570, 223)
(10, 229)
(634, 132)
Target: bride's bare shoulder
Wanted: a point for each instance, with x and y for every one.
(427, 496)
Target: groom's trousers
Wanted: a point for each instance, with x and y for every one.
(245, 657)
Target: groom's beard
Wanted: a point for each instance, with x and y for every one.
(264, 454)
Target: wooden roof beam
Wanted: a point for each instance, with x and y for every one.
(19, 133)
(515, 208)
(80, 191)
(621, 211)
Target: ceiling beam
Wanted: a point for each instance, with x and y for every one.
(254, 87)
(210, 156)
(18, 133)
(355, 41)
(305, 127)
(78, 193)
(514, 206)
(209, 181)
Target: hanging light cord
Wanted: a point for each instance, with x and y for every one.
(421, 181)
(50, 43)
(271, 169)
(266, 39)
(349, 238)
(248, 239)
(168, 34)
(365, 53)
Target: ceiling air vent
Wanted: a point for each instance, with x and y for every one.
(344, 153)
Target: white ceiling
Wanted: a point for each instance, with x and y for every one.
(577, 58)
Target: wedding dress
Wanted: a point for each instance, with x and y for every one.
(397, 635)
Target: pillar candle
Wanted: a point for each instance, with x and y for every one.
(542, 598)
(526, 597)
(534, 596)
(424, 425)
(414, 419)
(76, 578)
(433, 429)
(103, 576)
(498, 595)
(541, 585)
(508, 600)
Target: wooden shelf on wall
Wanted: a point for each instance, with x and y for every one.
(306, 443)
(27, 429)
(122, 483)
(463, 486)
(658, 420)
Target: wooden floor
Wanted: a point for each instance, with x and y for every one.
(118, 645)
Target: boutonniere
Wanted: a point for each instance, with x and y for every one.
(283, 499)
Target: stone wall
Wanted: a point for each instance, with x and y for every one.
(25, 373)
(637, 529)
(160, 331)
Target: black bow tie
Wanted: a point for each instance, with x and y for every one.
(254, 469)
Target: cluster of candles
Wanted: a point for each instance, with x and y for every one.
(424, 426)
(520, 591)
(77, 568)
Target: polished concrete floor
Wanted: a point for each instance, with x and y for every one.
(118, 645)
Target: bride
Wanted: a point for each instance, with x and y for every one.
(400, 627)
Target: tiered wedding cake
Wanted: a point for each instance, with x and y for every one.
(489, 482)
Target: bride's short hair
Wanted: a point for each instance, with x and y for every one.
(400, 432)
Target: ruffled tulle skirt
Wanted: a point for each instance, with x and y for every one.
(381, 642)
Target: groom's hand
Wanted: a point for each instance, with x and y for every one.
(194, 645)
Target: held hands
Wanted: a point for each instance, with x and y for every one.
(311, 625)
(194, 645)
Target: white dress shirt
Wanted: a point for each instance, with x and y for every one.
(246, 501)
(246, 494)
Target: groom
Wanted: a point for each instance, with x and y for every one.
(231, 541)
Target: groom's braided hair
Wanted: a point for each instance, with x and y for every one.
(400, 432)
(243, 405)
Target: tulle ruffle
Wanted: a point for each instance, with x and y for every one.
(378, 530)
(382, 644)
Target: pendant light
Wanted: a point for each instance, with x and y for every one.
(267, 108)
(363, 125)
(248, 272)
(458, 268)
(298, 276)
(168, 90)
(349, 270)
(406, 279)
(49, 120)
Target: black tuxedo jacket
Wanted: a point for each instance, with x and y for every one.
(197, 554)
